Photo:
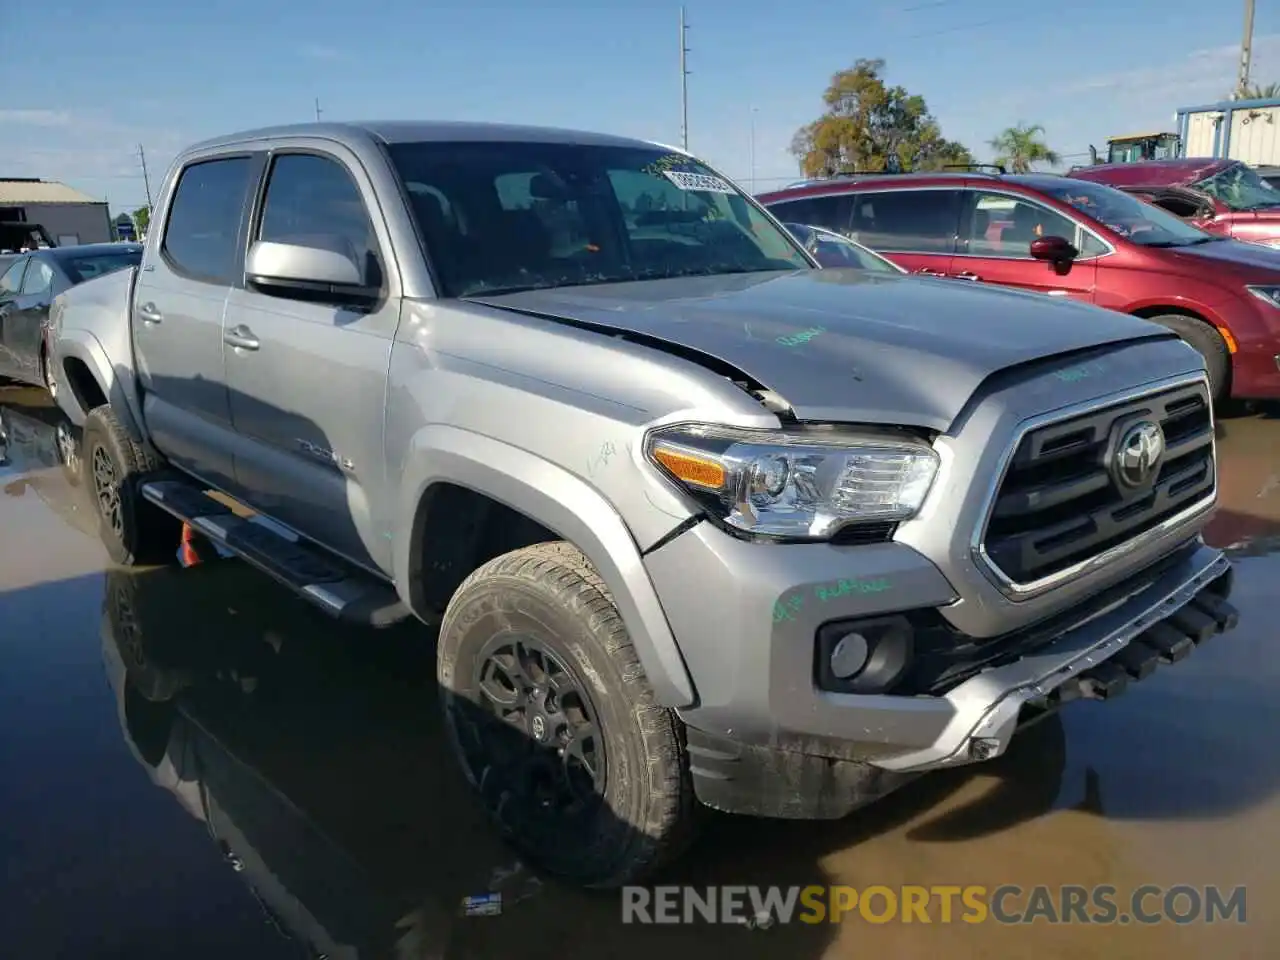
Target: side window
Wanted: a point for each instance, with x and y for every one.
(312, 201)
(202, 231)
(908, 221)
(830, 212)
(11, 281)
(1091, 246)
(39, 278)
(1000, 225)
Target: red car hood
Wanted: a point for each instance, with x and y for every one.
(1247, 257)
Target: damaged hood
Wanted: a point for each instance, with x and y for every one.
(845, 345)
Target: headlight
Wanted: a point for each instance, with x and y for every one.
(803, 485)
(1268, 295)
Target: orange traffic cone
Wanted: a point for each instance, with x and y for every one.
(188, 555)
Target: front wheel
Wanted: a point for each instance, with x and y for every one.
(1210, 344)
(134, 531)
(555, 723)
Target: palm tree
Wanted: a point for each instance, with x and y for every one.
(1255, 91)
(1019, 146)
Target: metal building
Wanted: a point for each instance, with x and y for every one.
(67, 216)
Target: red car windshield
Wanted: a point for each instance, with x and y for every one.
(1136, 221)
(1240, 188)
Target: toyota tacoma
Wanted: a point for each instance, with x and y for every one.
(698, 519)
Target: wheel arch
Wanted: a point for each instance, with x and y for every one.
(90, 378)
(446, 466)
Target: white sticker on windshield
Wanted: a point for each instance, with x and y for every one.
(698, 181)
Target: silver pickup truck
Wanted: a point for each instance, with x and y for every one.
(698, 519)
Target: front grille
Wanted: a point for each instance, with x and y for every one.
(1060, 502)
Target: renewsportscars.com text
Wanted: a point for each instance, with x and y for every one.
(1007, 904)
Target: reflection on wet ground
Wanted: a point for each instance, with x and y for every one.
(196, 764)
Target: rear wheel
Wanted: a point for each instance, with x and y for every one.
(134, 531)
(1209, 342)
(555, 723)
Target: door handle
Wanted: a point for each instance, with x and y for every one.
(149, 314)
(242, 337)
(966, 275)
(926, 271)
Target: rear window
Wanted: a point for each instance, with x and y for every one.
(86, 267)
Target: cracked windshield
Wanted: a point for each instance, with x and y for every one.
(484, 482)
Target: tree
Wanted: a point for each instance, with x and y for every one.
(1255, 91)
(1020, 146)
(141, 220)
(866, 122)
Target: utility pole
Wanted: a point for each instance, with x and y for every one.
(318, 110)
(1246, 50)
(684, 86)
(146, 180)
(753, 150)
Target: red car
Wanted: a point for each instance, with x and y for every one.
(1222, 197)
(1068, 237)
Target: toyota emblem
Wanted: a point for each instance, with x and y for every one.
(1137, 455)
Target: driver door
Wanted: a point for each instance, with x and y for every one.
(24, 323)
(10, 288)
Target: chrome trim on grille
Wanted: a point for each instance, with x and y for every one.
(1017, 591)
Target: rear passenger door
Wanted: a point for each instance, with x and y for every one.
(307, 370)
(995, 245)
(915, 227)
(179, 298)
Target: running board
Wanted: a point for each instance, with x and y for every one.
(336, 587)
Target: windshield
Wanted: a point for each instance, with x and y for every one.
(1240, 188)
(1128, 216)
(87, 266)
(833, 250)
(505, 216)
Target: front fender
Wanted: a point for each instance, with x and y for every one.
(116, 384)
(564, 504)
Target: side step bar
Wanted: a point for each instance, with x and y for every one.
(339, 589)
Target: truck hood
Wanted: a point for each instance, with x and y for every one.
(844, 345)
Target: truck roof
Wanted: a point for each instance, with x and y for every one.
(1140, 136)
(416, 131)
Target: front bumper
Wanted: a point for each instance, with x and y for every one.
(1161, 622)
(765, 740)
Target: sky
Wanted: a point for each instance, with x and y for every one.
(86, 82)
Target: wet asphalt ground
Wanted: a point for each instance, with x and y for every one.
(193, 763)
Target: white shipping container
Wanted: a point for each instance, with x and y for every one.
(1255, 137)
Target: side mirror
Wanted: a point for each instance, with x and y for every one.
(271, 264)
(1053, 249)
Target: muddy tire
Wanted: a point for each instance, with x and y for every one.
(555, 724)
(134, 531)
(1212, 347)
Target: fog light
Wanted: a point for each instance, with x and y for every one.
(863, 656)
(849, 656)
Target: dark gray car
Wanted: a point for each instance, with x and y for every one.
(28, 284)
